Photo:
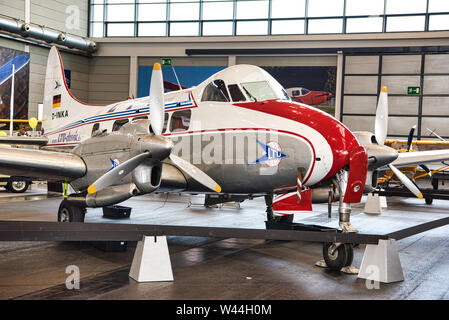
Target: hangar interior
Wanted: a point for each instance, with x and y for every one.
(381, 43)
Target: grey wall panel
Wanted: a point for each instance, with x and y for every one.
(401, 64)
(362, 64)
(403, 105)
(436, 85)
(186, 61)
(108, 79)
(12, 44)
(13, 8)
(357, 123)
(360, 84)
(437, 63)
(360, 104)
(401, 125)
(298, 61)
(396, 125)
(435, 106)
(440, 125)
(54, 14)
(399, 84)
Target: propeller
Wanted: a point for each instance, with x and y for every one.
(410, 138)
(157, 103)
(406, 181)
(161, 147)
(381, 124)
(116, 174)
(380, 132)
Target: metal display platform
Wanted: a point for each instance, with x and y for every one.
(79, 231)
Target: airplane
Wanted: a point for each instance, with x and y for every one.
(235, 134)
(307, 96)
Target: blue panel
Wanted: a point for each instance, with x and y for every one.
(188, 76)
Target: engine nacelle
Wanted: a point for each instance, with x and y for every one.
(147, 177)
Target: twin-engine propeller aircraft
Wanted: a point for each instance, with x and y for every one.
(236, 134)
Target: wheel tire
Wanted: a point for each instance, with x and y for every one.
(429, 200)
(70, 213)
(342, 256)
(18, 186)
(287, 218)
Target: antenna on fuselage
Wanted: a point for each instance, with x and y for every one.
(168, 62)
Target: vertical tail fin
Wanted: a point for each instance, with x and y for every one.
(60, 107)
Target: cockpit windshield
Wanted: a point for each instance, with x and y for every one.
(261, 90)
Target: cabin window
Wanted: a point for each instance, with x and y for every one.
(141, 118)
(305, 91)
(236, 93)
(180, 120)
(95, 128)
(295, 93)
(118, 124)
(215, 91)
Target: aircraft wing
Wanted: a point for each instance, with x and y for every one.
(24, 140)
(41, 164)
(421, 157)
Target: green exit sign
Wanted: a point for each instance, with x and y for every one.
(166, 62)
(415, 91)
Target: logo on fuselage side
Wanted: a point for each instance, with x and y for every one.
(273, 154)
(57, 85)
(114, 162)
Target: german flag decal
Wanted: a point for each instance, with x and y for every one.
(57, 101)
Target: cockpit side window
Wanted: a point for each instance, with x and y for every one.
(236, 93)
(215, 91)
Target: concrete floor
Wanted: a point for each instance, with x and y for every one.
(208, 268)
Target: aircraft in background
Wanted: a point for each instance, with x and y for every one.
(307, 96)
(236, 134)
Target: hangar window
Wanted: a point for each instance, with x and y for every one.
(180, 120)
(215, 91)
(236, 93)
(118, 124)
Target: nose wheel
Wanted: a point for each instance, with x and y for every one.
(338, 255)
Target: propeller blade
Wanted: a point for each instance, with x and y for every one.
(406, 181)
(381, 125)
(426, 169)
(113, 176)
(195, 173)
(157, 104)
(410, 138)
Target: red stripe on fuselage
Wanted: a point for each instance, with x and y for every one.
(339, 138)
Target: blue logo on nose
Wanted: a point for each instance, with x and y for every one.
(273, 154)
(57, 85)
(114, 163)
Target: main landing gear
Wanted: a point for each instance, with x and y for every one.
(68, 212)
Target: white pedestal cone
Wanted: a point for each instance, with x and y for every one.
(381, 262)
(373, 204)
(151, 261)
